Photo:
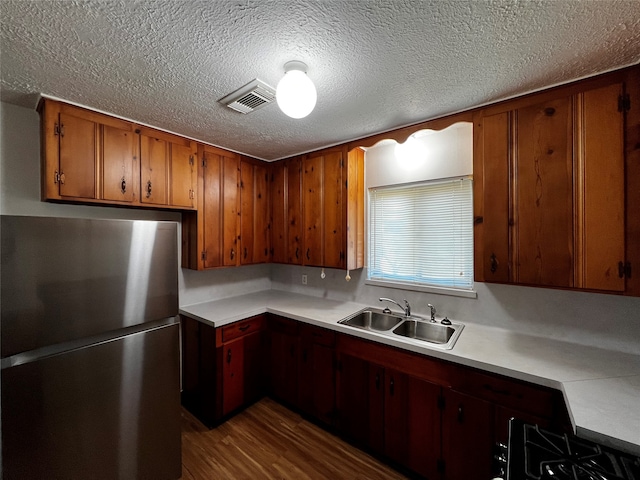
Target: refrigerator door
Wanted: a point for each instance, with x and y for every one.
(64, 279)
(105, 411)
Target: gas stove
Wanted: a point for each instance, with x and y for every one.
(538, 454)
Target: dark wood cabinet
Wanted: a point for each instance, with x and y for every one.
(550, 190)
(286, 211)
(316, 384)
(467, 437)
(210, 236)
(283, 359)
(255, 219)
(223, 368)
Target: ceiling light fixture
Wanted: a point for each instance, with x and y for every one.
(296, 94)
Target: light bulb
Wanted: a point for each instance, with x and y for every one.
(296, 94)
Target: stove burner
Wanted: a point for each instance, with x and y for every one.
(549, 456)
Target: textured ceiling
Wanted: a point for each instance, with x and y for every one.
(377, 65)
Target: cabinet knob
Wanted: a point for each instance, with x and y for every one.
(232, 254)
(494, 263)
(308, 252)
(148, 188)
(123, 185)
(229, 356)
(460, 414)
(391, 386)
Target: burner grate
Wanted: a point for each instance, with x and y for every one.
(559, 457)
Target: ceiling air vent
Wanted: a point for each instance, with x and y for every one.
(254, 95)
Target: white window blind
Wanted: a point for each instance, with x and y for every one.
(422, 234)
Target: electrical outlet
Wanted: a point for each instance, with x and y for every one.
(304, 279)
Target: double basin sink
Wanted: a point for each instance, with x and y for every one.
(417, 329)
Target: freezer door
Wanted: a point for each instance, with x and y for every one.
(64, 279)
(107, 411)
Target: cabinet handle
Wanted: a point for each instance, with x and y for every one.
(297, 251)
(62, 178)
(229, 356)
(460, 414)
(148, 188)
(494, 263)
(123, 185)
(308, 251)
(621, 269)
(245, 253)
(243, 328)
(56, 177)
(391, 387)
(232, 254)
(377, 381)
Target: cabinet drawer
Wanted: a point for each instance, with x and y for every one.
(241, 328)
(522, 396)
(318, 335)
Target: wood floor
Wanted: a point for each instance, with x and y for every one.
(268, 441)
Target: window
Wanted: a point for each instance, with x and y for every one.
(422, 234)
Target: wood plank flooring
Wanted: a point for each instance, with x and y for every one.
(268, 441)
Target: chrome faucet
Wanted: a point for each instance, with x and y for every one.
(433, 312)
(406, 308)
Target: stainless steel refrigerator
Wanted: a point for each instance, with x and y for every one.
(89, 349)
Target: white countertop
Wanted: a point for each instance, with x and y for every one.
(601, 387)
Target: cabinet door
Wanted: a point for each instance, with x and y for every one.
(233, 375)
(261, 215)
(78, 155)
(284, 365)
(118, 163)
(247, 211)
(254, 371)
(359, 400)
(154, 161)
(294, 212)
(467, 437)
(183, 175)
(229, 212)
(333, 211)
(544, 194)
(211, 208)
(495, 262)
(317, 373)
(313, 214)
(601, 200)
(278, 194)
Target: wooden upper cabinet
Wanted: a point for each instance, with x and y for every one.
(120, 168)
(333, 209)
(78, 154)
(312, 188)
(86, 156)
(254, 212)
(183, 173)
(90, 157)
(168, 172)
(543, 199)
(600, 195)
(550, 191)
(286, 211)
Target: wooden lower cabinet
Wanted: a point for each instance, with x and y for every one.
(222, 368)
(467, 437)
(391, 413)
(436, 419)
(283, 359)
(316, 382)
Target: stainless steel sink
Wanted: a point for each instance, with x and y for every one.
(427, 331)
(412, 329)
(373, 319)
